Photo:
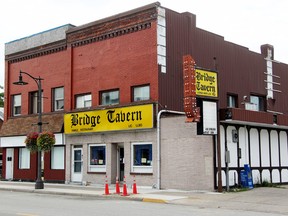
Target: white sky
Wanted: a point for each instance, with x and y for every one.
(249, 23)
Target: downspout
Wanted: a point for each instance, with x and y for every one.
(159, 143)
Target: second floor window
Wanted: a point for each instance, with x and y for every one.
(141, 93)
(34, 103)
(110, 97)
(58, 99)
(258, 102)
(83, 101)
(16, 106)
(232, 101)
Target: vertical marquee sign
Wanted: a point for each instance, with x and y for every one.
(189, 76)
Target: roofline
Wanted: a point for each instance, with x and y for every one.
(114, 17)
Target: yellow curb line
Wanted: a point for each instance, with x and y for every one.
(153, 200)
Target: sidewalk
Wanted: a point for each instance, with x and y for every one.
(270, 200)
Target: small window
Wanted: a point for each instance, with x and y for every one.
(24, 158)
(110, 97)
(142, 158)
(232, 101)
(258, 102)
(83, 101)
(57, 157)
(97, 158)
(141, 93)
(16, 106)
(58, 101)
(34, 103)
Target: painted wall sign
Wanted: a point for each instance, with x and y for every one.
(125, 118)
(206, 83)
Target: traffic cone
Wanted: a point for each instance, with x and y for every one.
(106, 187)
(124, 188)
(117, 186)
(134, 186)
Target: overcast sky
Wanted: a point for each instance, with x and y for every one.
(249, 23)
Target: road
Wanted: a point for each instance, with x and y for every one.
(33, 204)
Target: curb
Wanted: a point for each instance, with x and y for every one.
(154, 200)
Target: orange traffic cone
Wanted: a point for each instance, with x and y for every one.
(117, 186)
(106, 187)
(134, 186)
(124, 188)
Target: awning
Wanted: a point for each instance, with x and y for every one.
(18, 126)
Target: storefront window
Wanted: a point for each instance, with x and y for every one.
(24, 158)
(142, 157)
(97, 158)
(57, 157)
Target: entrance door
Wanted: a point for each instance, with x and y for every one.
(121, 164)
(9, 163)
(77, 165)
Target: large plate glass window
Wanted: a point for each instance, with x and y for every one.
(57, 157)
(16, 107)
(24, 158)
(97, 158)
(141, 158)
(110, 97)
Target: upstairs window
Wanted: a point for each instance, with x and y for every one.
(232, 101)
(258, 102)
(58, 99)
(110, 97)
(34, 103)
(83, 101)
(141, 93)
(16, 106)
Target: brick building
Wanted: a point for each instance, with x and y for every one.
(104, 85)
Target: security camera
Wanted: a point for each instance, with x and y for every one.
(244, 97)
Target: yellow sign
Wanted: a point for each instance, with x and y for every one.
(206, 83)
(125, 118)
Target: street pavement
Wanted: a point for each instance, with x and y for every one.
(262, 199)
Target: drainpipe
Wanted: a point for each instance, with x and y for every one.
(159, 143)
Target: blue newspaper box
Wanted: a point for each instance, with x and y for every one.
(246, 177)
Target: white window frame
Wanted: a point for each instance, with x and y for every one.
(58, 99)
(16, 104)
(106, 94)
(83, 101)
(96, 168)
(140, 93)
(58, 158)
(24, 158)
(139, 168)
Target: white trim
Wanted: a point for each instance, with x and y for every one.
(140, 169)
(19, 141)
(97, 168)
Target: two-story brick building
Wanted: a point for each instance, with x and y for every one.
(105, 84)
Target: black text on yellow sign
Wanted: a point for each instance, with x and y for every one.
(206, 83)
(125, 118)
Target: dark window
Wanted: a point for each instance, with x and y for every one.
(232, 101)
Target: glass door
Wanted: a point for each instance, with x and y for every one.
(77, 165)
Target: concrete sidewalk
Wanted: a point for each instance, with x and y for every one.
(266, 200)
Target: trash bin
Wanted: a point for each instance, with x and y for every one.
(246, 177)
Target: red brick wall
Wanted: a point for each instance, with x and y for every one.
(25, 174)
(52, 68)
(49, 174)
(119, 62)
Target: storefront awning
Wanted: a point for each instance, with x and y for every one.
(23, 125)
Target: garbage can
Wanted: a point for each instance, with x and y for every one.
(246, 177)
